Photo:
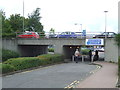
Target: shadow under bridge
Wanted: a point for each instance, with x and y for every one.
(32, 50)
(69, 50)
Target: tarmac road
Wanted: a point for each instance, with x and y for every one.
(55, 76)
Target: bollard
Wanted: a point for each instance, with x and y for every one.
(73, 58)
(82, 58)
(92, 59)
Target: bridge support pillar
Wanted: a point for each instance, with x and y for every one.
(58, 49)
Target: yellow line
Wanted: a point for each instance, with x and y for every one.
(72, 85)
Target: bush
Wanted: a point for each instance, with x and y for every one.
(119, 66)
(85, 51)
(50, 58)
(6, 68)
(51, 49)
(117, 39)
(7, 54)
(24, 62)
(15, 64)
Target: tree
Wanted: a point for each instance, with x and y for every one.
(52, 31)
(117, 39)
(5, 26)
(34, 21)
(16, 22)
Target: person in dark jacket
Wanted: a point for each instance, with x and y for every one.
(90, 55)
(96, 56)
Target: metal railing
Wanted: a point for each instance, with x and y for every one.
(56, 34)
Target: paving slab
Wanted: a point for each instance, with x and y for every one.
(106, 77)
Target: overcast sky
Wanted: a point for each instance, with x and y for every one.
(63, 14)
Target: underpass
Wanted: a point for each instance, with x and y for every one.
(39, 46)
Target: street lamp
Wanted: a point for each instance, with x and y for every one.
(81, 28)
(105, 22)
(79, 24)
(23, 16)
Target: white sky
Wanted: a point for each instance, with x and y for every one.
(63, 14)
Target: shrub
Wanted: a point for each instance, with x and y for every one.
(14, 64)
(23, 63)
(117, 39)
(51, 58)
(119, 66)
(85, 51)
(51, 49)
(6, 68)
(7, 54)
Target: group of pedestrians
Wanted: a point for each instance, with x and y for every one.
(78, 55)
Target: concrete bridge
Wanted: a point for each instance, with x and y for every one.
(66, 46)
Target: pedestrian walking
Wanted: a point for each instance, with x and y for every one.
(90, 55)
(96, 56)
(77, 54)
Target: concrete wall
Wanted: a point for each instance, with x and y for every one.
(36, 47)
(10, 44)
(58, 43)
(111, 50)
(24, 50)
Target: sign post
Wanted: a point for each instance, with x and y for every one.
(84, 33)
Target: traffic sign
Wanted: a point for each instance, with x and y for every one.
(94, 42)
(84, 33)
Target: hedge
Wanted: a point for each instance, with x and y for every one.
(50, 58)
(23, 63)
(6, 68)
(51, 49)
(119, 67)
(85, 51)
(29, 62)
(7, 54)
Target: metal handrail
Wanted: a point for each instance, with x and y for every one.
(47, 34)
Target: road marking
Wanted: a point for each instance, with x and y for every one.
(73, 84)
(93, 71)
(116, 82)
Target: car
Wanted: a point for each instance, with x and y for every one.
(52, 35)
(67, 35)
(107, 34)
(29, 34)
(99, 49)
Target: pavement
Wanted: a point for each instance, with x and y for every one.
(106, 77)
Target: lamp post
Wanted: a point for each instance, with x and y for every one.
(23, 16)
(79, 24)
(81, 28)
(105, 22)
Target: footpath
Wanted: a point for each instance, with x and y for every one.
(106, 77)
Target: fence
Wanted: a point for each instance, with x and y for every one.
(65, 34)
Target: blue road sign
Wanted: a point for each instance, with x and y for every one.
(84, 33)
(94, 42)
